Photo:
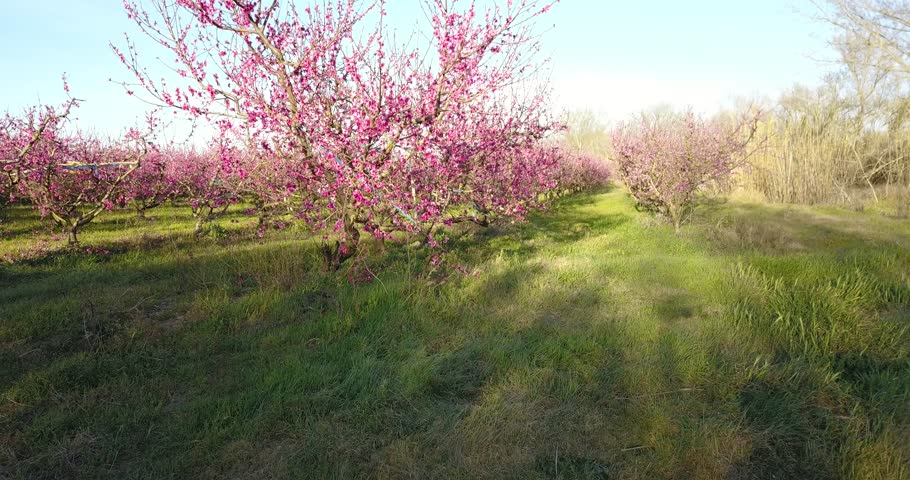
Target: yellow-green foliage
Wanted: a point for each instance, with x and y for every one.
(814, 147)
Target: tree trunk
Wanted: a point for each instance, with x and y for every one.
(265, 215)
(72, 236)
(343, 250)
(675, 217)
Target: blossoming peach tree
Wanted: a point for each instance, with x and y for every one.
(25, 138)
(665, 162)
(81, 178)
(382, 138)
(154, 182)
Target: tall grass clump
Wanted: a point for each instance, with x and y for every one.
(845, 142)
(829, 394)
(804, 159)
(822, 319)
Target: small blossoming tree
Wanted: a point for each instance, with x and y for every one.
(80, 178)
(205, 180)
(153, 183)
(664, 162)
(26, 138)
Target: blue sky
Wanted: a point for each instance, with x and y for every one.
(613, 57)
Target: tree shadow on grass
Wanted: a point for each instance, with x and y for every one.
(576, 387)
(576, 383)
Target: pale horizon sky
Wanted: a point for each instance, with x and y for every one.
(614, 58)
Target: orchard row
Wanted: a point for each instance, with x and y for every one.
(71, 178)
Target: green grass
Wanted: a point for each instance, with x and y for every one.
(592, 342)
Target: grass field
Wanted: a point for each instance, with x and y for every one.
(592, 342)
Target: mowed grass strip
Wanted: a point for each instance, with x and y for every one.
(592, 342)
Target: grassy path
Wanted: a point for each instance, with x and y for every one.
(762, 342)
